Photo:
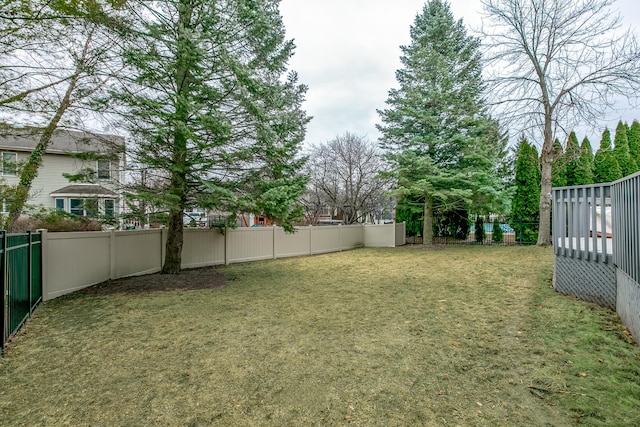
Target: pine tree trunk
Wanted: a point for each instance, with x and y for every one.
(178, 189)
(175, 239)
(427, 229)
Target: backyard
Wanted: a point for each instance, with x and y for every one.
(459, 335)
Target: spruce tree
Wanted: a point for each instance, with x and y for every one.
(605, 165)
(437, 135)
(621, 152)
(524, 207)
(214, 111)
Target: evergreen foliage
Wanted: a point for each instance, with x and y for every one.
(558, 169)
(583, 174)
(442, 145)
(524, 208)
(497, 235)
(572, 155)
(621, 151)
(479, 232)
(215, 114)
(452, 223)
(605, 165)
(633, 136)
(411, 214)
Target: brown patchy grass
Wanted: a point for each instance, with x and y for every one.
(456, 336)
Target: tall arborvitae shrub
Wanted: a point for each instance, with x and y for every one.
(525, 212)
(479, 232)
(621, 152)
(583, 174)
(572, 156)
(605, 165)
(558, 169)
(633, 136)
(497, 234)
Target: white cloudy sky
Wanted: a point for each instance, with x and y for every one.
(348, 51)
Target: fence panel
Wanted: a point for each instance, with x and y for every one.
(582, 222)
(249, 244)
(21, 278)
(296, 244)
(137, 252)
(351, 236)
(626, 215)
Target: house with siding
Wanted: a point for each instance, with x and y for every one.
(96, 161)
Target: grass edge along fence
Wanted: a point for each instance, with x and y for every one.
(597, 245)
(21, 277)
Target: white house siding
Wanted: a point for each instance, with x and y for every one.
(50, 177)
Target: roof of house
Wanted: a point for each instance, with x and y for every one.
(83, 190)
(63, 141)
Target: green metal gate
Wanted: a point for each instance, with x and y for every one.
(21, 277)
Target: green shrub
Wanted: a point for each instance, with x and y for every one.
(479, 232)
(496, 231)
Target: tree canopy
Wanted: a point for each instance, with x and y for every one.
(437, 136)
(556, 63)
(215, 113)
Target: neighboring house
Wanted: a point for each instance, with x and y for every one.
(97, 161)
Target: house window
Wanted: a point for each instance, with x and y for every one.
(83, 207)
(104, 169)
(9, 161)
(5, 206)
(109, 208)
(60, 204)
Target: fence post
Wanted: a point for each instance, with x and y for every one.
(274, 240)
(521, 231)
(226, 245)
(44, 269)
(29, 275)
(5, 292)
(112, 255)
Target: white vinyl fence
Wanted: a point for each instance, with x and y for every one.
(72, 261)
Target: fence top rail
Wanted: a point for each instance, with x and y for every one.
(626, 178)
(576, 187)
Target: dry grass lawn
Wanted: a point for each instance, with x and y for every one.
(371, 337)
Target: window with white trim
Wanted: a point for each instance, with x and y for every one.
(104, 169)
(9, 161)
(60, 204)
(109, 208)
(83, 207)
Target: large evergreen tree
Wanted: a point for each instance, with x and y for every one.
(621, 151)
(440, 141)
(605, 165)
(214, 120)
(525, 212)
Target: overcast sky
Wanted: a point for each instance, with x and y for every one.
(348, 51)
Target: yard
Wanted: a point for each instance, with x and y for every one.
(460, 335)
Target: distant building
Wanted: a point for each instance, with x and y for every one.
(97, 161)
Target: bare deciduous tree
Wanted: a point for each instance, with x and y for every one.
(557, 63)
(345, 176)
